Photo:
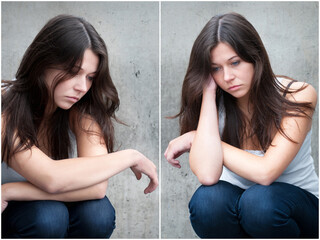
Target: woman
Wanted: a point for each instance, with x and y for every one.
(249, 136)
(63, 92)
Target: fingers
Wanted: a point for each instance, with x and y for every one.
(174, 163)
(136, 173)
(171, 156)
(153, 184)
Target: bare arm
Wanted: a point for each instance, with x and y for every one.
(87, 145)
(79, 173)
(206, 152)
(265, 170)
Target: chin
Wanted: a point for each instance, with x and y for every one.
(65, 106)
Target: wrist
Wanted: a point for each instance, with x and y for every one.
(134, 156)
(209, 96)
(190, 136)
(5, 192)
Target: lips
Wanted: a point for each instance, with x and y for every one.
(73, 99)
(234, 87)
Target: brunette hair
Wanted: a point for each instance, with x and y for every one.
(269, 105)
(61, 44)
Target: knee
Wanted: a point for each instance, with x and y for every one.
(105, 221)
(210, 202)
(204, 201)
(211, 208)
(262, 212)
(48, 219)
(259, 203)
(96, 218)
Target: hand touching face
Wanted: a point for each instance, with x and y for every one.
(230, 72)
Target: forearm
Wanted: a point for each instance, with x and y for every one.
(25, 191)
(244, 164)
(206, 151)
(73, 174)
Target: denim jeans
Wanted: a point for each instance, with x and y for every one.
(54, 219)
(279, 210)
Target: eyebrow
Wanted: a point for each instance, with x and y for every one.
(81, 69)
(227, 60)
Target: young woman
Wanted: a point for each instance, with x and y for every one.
(249, 136)
(62, 93)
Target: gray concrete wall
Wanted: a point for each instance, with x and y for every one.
(289, 31)
(130, 31)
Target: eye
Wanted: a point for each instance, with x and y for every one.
(215, 69)
(90, 78)
(235, 63)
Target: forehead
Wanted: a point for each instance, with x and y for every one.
(221, 53)
(90, 61)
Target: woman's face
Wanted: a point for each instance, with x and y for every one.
(70, 91)
(230, 72)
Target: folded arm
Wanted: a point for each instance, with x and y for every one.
(79, 178)
(265, 170)
(206, 152)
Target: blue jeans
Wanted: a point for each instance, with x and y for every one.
(280, 210)
(54, 219)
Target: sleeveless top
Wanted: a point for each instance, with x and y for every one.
(300, 172)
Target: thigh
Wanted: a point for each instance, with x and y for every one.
(91, 219)
(35, 219)
(213, 211)
(279, 210)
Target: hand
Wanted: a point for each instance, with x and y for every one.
(177, 147)
(4, 205)
(4, 202)
(211, 85)
(145, 166)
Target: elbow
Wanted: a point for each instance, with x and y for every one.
(101, 190)
(207, 177)
(52, 186)
(267, 177)
(52, 183)
(208, 180)
(265, 182)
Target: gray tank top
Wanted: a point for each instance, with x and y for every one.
(300, 172)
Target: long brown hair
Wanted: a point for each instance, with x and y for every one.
(269, 105)
(61, 43)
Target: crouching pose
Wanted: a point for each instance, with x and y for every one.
(249, 136)
(62, 93)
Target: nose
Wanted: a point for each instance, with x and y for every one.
(81, 84)
(228, 74)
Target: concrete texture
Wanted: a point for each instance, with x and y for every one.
(130, 31)
(289, 31)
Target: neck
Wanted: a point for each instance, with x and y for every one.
(245, 106)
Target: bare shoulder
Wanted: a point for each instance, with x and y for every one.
(89, 138)
(79, 123)
(302, 92)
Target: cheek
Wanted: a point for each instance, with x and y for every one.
(250, 72)
(89, 85)
(218, 79)
(61, 88)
